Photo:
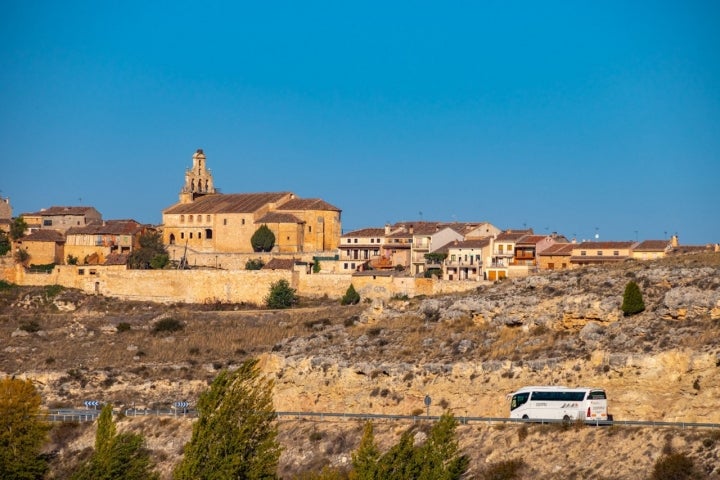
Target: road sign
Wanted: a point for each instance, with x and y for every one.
(181, 404)
(92, 403)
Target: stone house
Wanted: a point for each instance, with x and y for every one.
(43, 246)
(598, 253)
(364, 244)
(94, 244)
(651, 249)
(209, 222)
(555, 257)
(61, 218)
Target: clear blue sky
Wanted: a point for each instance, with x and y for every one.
(575, 117)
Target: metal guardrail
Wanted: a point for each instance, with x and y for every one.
(69, 415)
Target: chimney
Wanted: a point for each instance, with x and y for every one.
(387, 229)
(674, 241)
(411, 229)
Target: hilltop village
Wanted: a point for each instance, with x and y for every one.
(210, 231)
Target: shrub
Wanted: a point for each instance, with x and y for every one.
(53, 290)
(6, 285)
(30, 326)
(504, 470)
(72, 260)
(167, 325)
(254, 264)
(281, 295)
(123, 327)
(632, 299)
(674, 466)
(351, 296)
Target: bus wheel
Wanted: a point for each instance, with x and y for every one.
(525, 417)
(566, 419)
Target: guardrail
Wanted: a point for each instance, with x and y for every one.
(69, 415)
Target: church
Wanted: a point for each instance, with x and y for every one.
(208, 221)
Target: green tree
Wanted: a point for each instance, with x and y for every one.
(439, 456)
(17, 228)
(22, 433)
(351, 296)
(22, 256)
(5, 244)
(263, 240)
(117, 455)
(365, 459)
(235, 435)
(254, 264)
(150, 254)
(281, 295)
(72, 260)
(632, 299)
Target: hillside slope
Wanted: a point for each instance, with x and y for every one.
(465, 351)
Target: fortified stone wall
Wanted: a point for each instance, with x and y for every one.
(227, 286)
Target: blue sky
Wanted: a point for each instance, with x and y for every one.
(575, 117)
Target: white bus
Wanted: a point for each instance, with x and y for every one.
(559, 403)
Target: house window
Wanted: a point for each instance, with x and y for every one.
(616, 252)
(356, 240)
(190, 234)
(208, 233)
(47, 222)
(583, 253)
(190, 218)
(372, 240)
(207, 217)
(345, 266)
(243, 221)
(182, 234)
(309, 229)
(81, 271)
(199, 234)
(377, 240)
(92, 271)
(352, 265)
(182, 218)
(224, 221)
(349, 241)
(599, 253)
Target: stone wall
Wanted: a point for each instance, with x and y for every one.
(227, 286)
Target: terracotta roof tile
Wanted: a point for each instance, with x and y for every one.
(603, 245)
(55, 211)
(116, 259)
(652, 246)
(227, 203)
(279, 264)
(277, 217)
(366, 232)
(564, 249)
(109, 227)
(44, 235)
(307, 204)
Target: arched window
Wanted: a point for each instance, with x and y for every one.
(172, 239)
(208, 233)
(190, 218)
(182, 218)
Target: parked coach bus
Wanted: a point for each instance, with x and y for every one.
(559, 403)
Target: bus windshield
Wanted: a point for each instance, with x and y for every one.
(519, 399)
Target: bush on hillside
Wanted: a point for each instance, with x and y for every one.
(254, 264)
(351, 296)
(632, 299)
(281, 295)
(674, 466)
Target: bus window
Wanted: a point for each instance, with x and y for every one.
(597, 395)
(518, 400)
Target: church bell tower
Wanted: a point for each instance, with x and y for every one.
(198, 179)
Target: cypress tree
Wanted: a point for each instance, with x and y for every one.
(365, 460)
(351, 296)
(632, 299)
(263, 240)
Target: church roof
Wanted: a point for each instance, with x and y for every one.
(227, 203)
(307, 204)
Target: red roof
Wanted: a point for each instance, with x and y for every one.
(366, 232)
(227, 203)
(44, 235)
(307, 204)
(276, 217)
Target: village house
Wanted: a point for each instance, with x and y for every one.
(43, 247)
(555, 257)
(651, 249)
(503, 253)
(465, 259)
(93, 244)
(61, 218)
(208, 222)
(364, 245)
(597, 253)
